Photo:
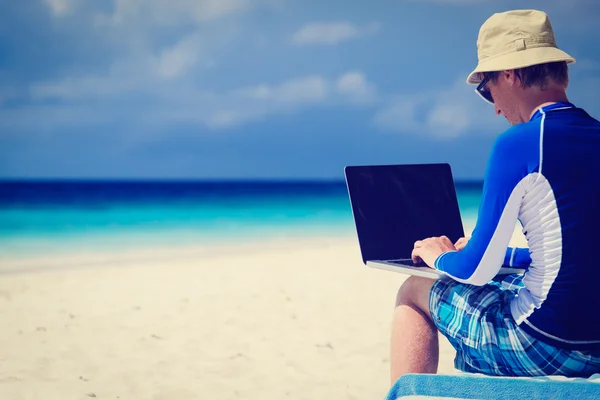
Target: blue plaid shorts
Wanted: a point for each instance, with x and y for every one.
(478, 323)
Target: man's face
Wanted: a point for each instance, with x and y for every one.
(504, 92)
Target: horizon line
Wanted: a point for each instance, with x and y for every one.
(191, 180)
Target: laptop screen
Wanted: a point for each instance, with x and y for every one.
(396, 205)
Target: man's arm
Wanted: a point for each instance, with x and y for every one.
(503, 190)
(517, 257)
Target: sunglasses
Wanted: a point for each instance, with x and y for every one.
(483, 92)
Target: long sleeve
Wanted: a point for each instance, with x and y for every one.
(503, 191)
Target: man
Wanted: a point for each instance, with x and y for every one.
(545, 172)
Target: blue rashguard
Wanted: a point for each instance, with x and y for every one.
(517, 257)
(546, 174)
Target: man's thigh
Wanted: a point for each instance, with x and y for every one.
(478, 323)
(458, 310)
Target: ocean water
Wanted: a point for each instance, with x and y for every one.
(38, 216)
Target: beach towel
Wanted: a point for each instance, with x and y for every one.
(479, 386)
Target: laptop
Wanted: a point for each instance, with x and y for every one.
(395, 205)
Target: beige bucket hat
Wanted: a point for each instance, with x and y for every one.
(516, 39)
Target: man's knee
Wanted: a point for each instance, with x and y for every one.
(414, 292)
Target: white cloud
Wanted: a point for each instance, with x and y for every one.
(256, 102)
(446, 113)
(354, 84)
(66, 89)
(59, 7)
(123, 76)
(306, 89)
(331, 33)
(136, 72)
(171, 12)
(170, 101)
(177, 60)
(86, 87)
(399, 115)
(453, 119)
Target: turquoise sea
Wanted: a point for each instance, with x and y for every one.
(42, 216)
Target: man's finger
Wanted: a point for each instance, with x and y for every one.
(461, 243)
(415, 257)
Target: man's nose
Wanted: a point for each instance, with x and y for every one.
(497, 110)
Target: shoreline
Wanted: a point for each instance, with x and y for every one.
(39, 255)
(49, 253)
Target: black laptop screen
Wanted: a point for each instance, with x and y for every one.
(396, 205)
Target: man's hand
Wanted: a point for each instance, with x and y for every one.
(429, 249)
(461, 243)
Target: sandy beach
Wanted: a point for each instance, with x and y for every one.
(298, 319)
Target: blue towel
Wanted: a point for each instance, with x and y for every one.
(478, 386)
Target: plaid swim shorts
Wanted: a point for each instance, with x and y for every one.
(478, 323)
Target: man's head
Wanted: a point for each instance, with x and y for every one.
(519, 63)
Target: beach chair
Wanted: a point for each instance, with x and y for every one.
(478, 386)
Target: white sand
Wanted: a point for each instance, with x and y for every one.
(301, 319)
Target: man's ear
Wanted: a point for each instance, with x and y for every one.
(509, 76)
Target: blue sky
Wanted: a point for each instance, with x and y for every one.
(256, 88)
